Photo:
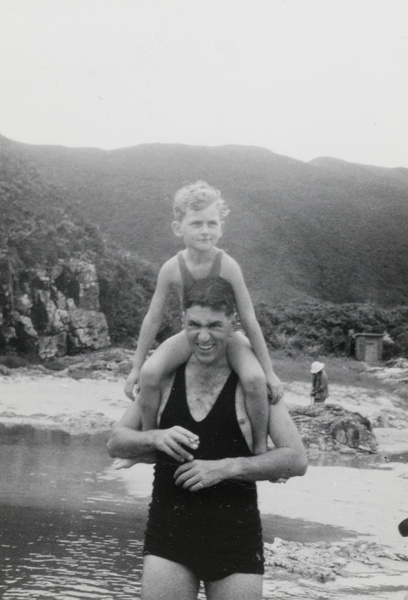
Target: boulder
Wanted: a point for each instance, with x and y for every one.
(25, 326)
(328, 427)
(52, 345)
(46, 316)
(88, 286)
(56, 311)
(24, 304)
(88, 329)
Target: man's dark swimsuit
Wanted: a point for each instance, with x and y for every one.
(217, 531)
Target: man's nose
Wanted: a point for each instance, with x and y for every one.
(203, 334)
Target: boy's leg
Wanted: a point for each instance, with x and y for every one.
(166, 580)
(252, 378)
(169, 355)
(239, 586)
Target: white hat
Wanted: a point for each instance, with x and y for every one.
(316, 367)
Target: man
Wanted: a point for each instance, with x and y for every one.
(204, 522)
(320, 383)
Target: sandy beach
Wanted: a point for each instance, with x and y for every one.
(361, 505)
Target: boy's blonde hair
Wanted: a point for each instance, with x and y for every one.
(198, 196)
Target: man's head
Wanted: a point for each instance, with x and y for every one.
(209, 316)
(215, 293)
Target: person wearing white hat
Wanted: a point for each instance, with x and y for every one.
(320, 383)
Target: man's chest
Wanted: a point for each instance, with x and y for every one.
(203, 390)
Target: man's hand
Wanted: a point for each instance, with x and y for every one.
(198, 474)
(275, 388)
(172, 442)
(131, 381)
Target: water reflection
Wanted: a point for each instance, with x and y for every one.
(70, 529)
(65, 554)
(64, 530)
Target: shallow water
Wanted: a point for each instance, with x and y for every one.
(72, 527)
(63, 534)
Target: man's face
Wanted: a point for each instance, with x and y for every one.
(208, 333)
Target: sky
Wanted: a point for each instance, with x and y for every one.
(303, 78)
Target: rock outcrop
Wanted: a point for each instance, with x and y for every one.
(328, 427)
(55, 311)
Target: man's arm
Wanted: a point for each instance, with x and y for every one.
(129, 441)
(287, 459)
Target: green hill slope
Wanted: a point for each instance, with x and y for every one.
(327, 229)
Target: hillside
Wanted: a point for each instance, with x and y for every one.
(327, 229)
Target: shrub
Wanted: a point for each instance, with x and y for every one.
(323, 328)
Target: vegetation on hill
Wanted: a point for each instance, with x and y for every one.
(37, 230)
(325, 230)
(318, 329)
(323, 245)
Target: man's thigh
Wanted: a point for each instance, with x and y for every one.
(239, 586)
(167, 580)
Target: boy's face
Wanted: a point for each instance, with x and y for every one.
(200, 229)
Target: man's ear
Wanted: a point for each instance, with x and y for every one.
(176, 227)
(234, 320)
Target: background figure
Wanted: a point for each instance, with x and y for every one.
(320, 383)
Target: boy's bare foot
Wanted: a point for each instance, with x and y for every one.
(123, 463)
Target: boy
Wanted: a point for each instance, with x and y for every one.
(199, 212)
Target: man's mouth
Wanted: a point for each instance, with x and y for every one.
(205, 347)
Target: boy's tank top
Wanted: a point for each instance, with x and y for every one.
(188, 280)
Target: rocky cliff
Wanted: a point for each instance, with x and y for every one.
(52, 311)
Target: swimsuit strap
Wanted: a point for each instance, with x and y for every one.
(215, 270)
(188, 280)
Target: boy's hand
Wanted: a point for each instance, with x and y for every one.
(275, 388)
(131, 381)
